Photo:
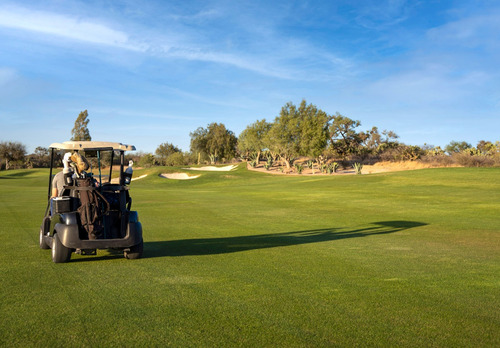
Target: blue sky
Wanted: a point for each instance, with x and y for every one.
(150, 72)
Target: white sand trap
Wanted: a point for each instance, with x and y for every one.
(140, 177)
(215, 169)
(178, 176)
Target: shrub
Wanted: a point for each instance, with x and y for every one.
(467, 160)
(438, 160)
(175, 159)
(190, 158)
(147, 161)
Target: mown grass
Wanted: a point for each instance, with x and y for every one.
(249, 259)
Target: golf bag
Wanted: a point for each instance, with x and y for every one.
(91, 208)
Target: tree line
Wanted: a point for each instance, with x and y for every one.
(302, 131)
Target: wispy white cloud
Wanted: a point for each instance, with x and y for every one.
(64, 26)
(268, 55)
(201, 15)
(471, 31)
(382, 14)
(432, 86)
(239, 61)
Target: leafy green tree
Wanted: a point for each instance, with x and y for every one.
(298, 131)
(457, 146)
(199, 142)
(344, 140)
(283, 138)
(252, 139)
(12, 152)
(164, 151)
(313, 130)
(41, 157)
(215, 141)
(80, 131)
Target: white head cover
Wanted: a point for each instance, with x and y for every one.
(66, 160)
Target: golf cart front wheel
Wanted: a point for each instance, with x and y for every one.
(135, 251)
(43, 245)
(59, 252)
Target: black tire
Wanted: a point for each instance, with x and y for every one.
(135, 251)
(43, 245)
(60, 253)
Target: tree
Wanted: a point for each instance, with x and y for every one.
(199, 142)
(298, 131)
(378, 143)
(486, 147)
(165, 150)
(373, 139)
(12, 152)
(283, 137)
(313, 130)
(252, 139)
(457, 146)
(215, 141)
(344, 140)
(41, 157)
(80, 132)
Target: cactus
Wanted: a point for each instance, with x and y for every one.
(269, 161)
(357, 167)
(299, 168)
(335, 166)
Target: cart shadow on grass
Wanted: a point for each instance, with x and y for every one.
(225, 245)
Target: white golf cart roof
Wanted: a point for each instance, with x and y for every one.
(91, 145)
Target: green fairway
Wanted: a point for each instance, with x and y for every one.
(240, 258)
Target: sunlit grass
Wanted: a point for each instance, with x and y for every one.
(248, 259)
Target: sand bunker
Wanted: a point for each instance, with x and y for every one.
(178, 176)
(215, 169)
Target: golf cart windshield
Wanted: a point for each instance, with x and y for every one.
(104, 158)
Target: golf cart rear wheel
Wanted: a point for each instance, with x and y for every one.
(135, 251)
(43, 245)
(59, 252)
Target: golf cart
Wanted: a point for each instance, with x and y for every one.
(92, 211)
